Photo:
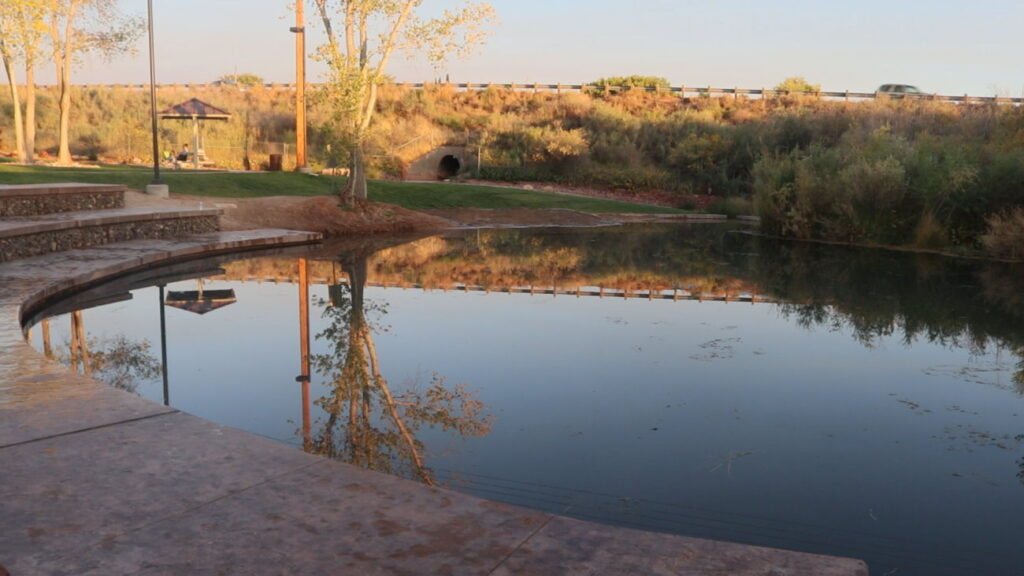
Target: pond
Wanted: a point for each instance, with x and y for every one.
(689, 379)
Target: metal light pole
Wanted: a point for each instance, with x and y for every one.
(157, 187)
(300, 87)
(163, 347)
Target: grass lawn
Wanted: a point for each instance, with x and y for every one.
(420, 195)
(415, 196)
(189, 182)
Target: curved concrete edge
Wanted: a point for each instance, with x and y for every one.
(55, 275)
(98, 481)
(39, 398)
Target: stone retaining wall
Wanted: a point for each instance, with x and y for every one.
(35, 200)
(68, 239)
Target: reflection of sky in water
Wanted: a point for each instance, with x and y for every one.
(685, 406)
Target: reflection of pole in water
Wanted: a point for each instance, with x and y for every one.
(47, 344)
(163, 348)
(79, 350)
(304, 349)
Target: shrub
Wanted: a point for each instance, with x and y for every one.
(930, 233)
(869, 203)
(774, 184)
(1005, 236)
(797, 84)
(634, 81)
(629, 179)
(732, 207)
(516, 174)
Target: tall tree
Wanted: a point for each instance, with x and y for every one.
(32, 28)
(358, 54)
(78, 26)
(7, 55)
(21, 24)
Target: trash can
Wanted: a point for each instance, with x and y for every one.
(275, 163)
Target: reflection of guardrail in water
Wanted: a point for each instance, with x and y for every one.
(675, 294)
(681, 91)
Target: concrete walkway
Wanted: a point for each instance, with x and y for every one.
(96, 481)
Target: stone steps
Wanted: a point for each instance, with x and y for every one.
(39, 199)
(40, 219)
(26, 237)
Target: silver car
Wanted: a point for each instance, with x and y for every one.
(899, 91)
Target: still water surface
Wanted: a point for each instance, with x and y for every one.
(702, 381)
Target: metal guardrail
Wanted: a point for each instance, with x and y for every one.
(681, 91)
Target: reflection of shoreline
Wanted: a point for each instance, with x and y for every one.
(599, 263)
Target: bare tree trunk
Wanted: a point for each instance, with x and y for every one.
(30, 113)
(19, 132)
(64, 149)
(356, 187)
(62, 58)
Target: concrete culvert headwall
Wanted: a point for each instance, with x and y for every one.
(440, 163)
(448, 167)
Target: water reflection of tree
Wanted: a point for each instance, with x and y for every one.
(367, 423)
(118, 361)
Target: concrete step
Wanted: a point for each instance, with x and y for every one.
(29, 283)
(39, 199)
(24, 237)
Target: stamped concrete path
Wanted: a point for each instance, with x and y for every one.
(96, 481)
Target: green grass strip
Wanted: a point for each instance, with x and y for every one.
(412, 195)
(426, 195)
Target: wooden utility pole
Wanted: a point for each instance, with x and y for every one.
(304, 364)
(300, 87)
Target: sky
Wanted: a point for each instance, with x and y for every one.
(941, 46)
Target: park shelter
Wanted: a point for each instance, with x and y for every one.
(195, 110)
(200, 301)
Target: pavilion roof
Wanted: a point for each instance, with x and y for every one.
(200, 301)
(195, 108)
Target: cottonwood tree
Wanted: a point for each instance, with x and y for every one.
(357, 53)
(21, 30)
(79, 26)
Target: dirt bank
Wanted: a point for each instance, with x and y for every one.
(323, 214)
(311, 213)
